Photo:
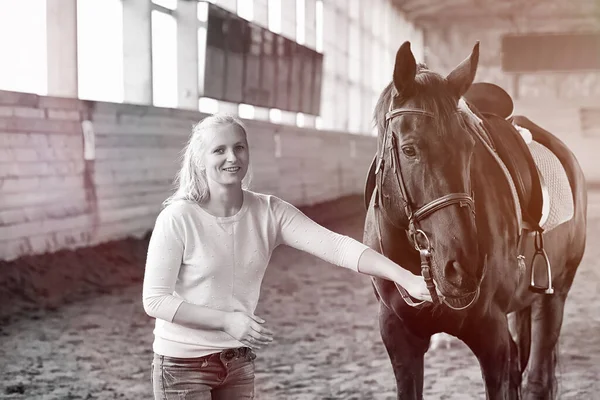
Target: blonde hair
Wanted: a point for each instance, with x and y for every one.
(190, 181)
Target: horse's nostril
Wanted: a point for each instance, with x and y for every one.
(453, 270)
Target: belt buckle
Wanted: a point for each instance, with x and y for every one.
(229, 354)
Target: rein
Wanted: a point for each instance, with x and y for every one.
(415, 216)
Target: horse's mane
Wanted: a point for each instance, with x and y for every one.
(431, 94)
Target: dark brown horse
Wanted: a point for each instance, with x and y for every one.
(439, 187)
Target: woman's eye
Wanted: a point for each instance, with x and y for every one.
(218, 151)
(409, 151)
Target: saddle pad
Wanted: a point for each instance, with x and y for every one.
(558, 198)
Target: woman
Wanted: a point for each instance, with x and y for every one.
(206, 260)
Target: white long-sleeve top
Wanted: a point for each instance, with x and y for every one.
(219, 263)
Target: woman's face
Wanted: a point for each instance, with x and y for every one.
(226, 155)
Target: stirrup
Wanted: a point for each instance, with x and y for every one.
(540, 262)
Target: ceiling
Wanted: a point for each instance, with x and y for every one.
(555, 15)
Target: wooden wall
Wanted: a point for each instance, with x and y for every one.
(51, 198)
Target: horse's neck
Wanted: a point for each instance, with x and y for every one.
(494, 203)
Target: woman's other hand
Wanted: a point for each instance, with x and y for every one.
(247, 329)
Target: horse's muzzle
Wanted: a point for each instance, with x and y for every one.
(466, 300)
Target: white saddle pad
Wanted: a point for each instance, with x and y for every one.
(558, 204)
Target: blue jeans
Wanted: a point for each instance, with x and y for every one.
(227, 375)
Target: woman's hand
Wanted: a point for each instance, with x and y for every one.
(247, 329)
(416, 287)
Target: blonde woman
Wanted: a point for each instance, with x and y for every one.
(206, 260)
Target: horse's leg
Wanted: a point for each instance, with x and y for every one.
(523, 335)
(491, 342)
(547, 316)
(406, 352)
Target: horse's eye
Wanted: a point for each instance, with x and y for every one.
(409, 151)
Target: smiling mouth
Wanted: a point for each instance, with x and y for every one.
(232, 169)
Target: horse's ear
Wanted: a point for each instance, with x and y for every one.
(461, 78)
(405, 69)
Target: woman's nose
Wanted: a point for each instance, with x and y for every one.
(231, 156)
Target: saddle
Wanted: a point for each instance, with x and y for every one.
(495, 107)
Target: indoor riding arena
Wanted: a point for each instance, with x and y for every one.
(98, 98)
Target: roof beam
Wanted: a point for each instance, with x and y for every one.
(557, 24)
(417, 8)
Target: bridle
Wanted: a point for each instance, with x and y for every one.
(417, 236)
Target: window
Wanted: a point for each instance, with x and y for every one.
(245, 9)
(300, 21)
(201, 58)
(246, 111)
(275, 115)
(23, 46)
(319, 123)
(319, 23)
(170, 4)
(300, 120)
(100, 56)
(208, 105)
(274, 10)
(354, 109)
(164, 59)
(354, 44)
(354, 9)
(202, 11)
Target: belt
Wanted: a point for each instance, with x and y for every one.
(231, 354)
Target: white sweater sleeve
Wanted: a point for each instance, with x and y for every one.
(165, 254)
(299, 231)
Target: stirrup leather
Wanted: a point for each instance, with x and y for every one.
(540, 264)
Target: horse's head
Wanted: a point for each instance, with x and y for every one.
(427, 152)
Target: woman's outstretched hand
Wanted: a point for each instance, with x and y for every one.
(247, 329)
(416, 287)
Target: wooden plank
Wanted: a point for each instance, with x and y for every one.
(156, 121)
(20, 185)
(264, 187)
(143, 163)
(134, 188)
(160, 140)
(135, 109)
(16, 216)
(69, 115)
(16, 169)
(35, 140)
(132, 201)
(45, 226)
(111, 178)
(120, 153)
(110, 216)
(41, 199)
(62, 103)
(133, 227)
(108, 128)
(39, 125)
(18, 98)
(22, 112)
(45, 243)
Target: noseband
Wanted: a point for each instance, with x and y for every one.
(419, 237)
